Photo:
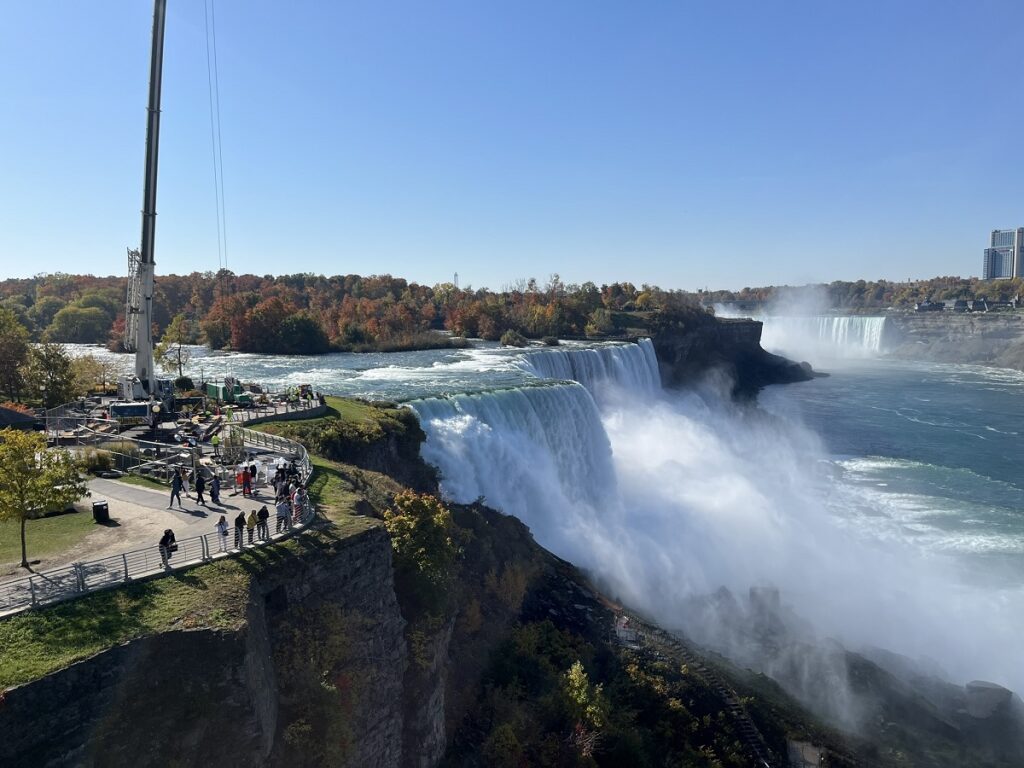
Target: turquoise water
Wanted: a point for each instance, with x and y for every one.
(936, 452)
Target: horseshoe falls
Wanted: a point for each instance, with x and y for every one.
(825, 336)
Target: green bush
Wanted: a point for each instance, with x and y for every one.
(512, 338)
(97, 461)
(422, 534)
(184, 384)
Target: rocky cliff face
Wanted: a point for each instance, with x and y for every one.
(992, 338)
(314, 676)
(688, 352)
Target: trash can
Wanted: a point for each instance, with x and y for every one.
(100, 511)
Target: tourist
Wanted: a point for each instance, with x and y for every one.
(262, 529)
(222, 529)
(250, 524)
(175, 490)
(299, 502)
(215, 490)
(184, 480)
(216, 445)
(253, 470)
(239, 527)
(246, 483)
(283, 514)
(167, 547)
(200, 487)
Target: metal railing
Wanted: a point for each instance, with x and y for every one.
(81, 578)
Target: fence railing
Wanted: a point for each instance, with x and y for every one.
(81, 578)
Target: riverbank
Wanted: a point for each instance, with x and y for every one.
(989, 338)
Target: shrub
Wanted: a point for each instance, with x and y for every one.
(97, 461)
(184, 384)
(421, 531)
(512, 338)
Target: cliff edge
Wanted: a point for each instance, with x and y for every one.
(693, 345)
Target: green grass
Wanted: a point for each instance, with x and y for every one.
(335, 496)
(338, 408)
(145, 482)
(39, 642)
(45, 536)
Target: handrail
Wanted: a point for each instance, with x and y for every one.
(81, 578)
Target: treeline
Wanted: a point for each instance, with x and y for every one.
(879, 294)
(312, 314)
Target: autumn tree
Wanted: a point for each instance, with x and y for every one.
(422, 537)
(172, 353)
(35, 480)
(14, 351)
(51, 373)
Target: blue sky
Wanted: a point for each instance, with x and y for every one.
(687, 144)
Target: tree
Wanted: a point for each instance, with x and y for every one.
(79, 325)
(422, 529)
(13, 354)
(51, 373)
(171, 353)
(35, 480)
(91, 373)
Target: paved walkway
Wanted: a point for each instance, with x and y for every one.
(138, 518)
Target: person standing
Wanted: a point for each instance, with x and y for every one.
(246, 482)
(283, 514)
(250, 524)
(184, 480)
(215, 490)
(299, 501)
(200, 487)
(239, 527)
(175, 490)
(222, 532)
(167, 547)
(262, 529)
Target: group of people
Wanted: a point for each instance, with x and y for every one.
(180, 482)
(289, 508)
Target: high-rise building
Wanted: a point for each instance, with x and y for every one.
(1005, 255)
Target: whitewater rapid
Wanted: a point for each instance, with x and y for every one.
(668, 496)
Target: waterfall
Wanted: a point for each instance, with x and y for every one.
(633, 367)
(536, 452)
(824, 336)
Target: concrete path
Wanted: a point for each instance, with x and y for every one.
(138, 518)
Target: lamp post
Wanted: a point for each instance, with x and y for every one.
(154, 415)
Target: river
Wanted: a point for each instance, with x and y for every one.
(884, 501)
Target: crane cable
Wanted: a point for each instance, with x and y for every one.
(213, 83)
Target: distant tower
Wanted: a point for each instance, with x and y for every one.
(456, 281)
(1004, 258)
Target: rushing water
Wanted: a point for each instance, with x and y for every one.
(828, 337)
(884, 501)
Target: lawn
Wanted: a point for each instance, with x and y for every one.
(44, 536)
(145, 482)
(42, 641)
